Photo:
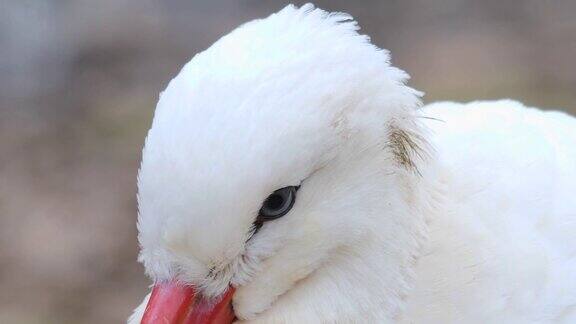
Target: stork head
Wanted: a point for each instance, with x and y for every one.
(273, 154)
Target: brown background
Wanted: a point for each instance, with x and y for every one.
(78, 85)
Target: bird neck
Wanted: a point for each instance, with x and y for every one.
(372, 277)
(368, 277)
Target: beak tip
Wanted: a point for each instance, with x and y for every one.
(174, 303)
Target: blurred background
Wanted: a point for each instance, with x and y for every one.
(79, 81)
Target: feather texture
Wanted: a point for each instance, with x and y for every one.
(450, 213)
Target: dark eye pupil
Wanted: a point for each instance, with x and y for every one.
(277, 204)
(274, 202)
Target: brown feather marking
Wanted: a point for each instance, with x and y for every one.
(407, 147)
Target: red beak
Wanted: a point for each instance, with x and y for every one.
(174, 303)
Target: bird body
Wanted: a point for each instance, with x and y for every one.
(448, 213)
(502, 247)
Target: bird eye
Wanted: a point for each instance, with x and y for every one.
(277, 204)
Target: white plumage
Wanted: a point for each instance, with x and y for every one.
(450, 213)
(502, 248)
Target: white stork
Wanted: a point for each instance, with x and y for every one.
(291, 176)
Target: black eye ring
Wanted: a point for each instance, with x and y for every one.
(277, 204)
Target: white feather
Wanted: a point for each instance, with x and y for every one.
(466, 216)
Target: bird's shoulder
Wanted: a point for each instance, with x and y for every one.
(503, 140)
(522, 160)
(503, 242)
